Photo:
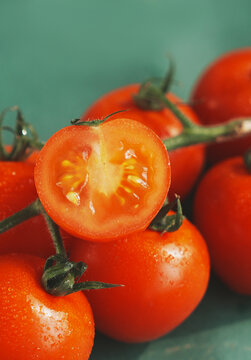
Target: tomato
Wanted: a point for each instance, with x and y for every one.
(222, 213)
(223, 92)
(103, 182)
(164, 123)
(164, 278)
(36, 325)
(17, 190)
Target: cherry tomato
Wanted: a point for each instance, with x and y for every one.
(36, 325)
(164, 278)
(103, 182)
(17, 190)
(164, 123)
(223, 92)
(222, 213)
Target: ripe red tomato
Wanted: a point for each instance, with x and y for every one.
(103, 182)
(164, 278)
(222, 213)
(17, 190)
(223, 92)
(164, 123)
(36, 325)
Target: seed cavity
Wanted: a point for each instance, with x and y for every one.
(136, 180)
(73, 197)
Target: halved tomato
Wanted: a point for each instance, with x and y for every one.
(103, 182)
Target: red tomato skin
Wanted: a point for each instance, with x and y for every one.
(223, 92)
(222, 213)
(164, 279)
(36, 325)
(164, 124)
(17, 190)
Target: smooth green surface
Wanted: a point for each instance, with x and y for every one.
(57, 56)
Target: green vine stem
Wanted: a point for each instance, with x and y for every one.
(25, 139)
(192, 133)
(30, 211)
(60, 275)
(204, 134)
(168, 79)
(247, 160)
(168, 223)
(54, 232)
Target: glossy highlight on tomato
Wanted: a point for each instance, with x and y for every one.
(164, 124)
(36, 325)
(164, 277)
(103, 182)
(223, 92)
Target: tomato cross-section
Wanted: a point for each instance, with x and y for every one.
(103, 182)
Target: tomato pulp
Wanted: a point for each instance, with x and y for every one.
(222, 212)
(186, 162)
(103, 182)
(223, 92)
(164, 277)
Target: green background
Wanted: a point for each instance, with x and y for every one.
(57, 56)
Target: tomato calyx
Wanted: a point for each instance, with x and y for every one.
(61, 276)
(152, 96)
(247, 160)
(168, 223)
(148, 96)
(25, 139)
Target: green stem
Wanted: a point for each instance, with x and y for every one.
(173, 108)
(28, 212)
(195, 134)
(152, 97)
(60, 274)
(247, 160)
(168, 223)
(205, 134)
(168, 79)
(25, 137)
(21, 216)
(55, 233)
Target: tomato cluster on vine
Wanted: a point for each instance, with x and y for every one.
(93, 210)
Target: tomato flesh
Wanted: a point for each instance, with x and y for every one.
(104, 181)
